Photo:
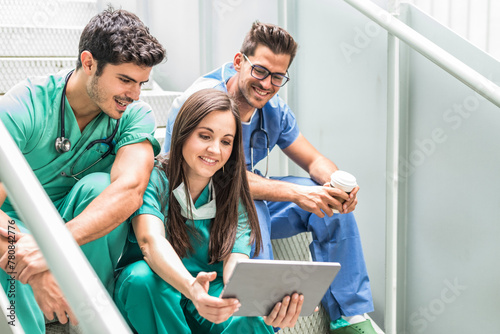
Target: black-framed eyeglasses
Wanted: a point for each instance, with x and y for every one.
(110, 148)
(260, 73)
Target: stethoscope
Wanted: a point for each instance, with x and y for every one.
(63, 144)
(262, 130)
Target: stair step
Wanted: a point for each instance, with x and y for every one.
(39, 41)
(13, 70)
(47, 13)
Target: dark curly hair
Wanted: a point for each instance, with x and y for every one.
(118, 36)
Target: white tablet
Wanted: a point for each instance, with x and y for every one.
(260, 284)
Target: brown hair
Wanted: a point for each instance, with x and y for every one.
(277, 39)
(230, 183)
(116, 37)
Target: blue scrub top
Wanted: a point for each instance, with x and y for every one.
(31, 113)
(279, 120)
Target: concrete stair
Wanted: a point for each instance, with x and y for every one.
(41, 37)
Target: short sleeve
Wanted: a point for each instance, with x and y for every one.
(136, 125)
(289, 127)
(152, 201)
(17, 114)
(242, 242)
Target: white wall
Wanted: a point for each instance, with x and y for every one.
(451, 177)
(341, 108)
(198, 35)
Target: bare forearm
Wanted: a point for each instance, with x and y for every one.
(309, 159)
(129, 179)
(230, 263)
(6, 223)
(271, 190)
(11, 229)
(3, 194)
(164, 261)
(321, 170)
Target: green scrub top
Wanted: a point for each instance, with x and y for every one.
(31, 113)
(198, 260)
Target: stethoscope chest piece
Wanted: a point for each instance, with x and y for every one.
(63, 145)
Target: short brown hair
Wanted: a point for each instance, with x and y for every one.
(116, 37)
(277, 39)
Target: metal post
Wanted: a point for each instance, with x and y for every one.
(206, 33)
(286, 92)
(85, 293)
(393, 113)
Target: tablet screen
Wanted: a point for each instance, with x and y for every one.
(260, 284)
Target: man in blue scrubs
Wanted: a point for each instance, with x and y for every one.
(290, 205)
(94, 190)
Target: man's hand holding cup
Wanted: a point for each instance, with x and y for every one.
(346, 182)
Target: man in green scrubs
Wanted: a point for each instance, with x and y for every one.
(96, 108)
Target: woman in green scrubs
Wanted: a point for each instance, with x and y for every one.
(196, 221)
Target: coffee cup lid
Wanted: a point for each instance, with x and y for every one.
(343, 178)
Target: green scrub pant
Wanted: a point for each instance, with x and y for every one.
(102, 253)
(152, 306)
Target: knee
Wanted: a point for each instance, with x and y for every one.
(137, 282)
(263, 214)
(138, 276)
(93, 184)
(346, 224)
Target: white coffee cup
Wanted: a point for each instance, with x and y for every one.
(343, 181)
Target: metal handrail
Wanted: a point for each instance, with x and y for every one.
(430, 50)
(82, 288)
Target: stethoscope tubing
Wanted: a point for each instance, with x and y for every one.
(266, 135)
(62, 139)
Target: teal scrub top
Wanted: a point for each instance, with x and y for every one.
(31, 113)
(198, 260)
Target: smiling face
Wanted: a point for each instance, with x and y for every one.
(254, 92)
(117, 87)
(209, 146)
